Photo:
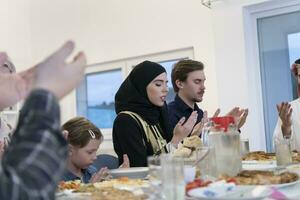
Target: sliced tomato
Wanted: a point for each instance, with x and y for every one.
(205, 183)
(197, 183)
(191, 185)
(230, 180)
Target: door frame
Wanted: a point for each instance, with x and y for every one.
(250, 15)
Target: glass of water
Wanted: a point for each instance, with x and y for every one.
(283, 152)
(154, 168)
(155, 190)
(172, 176)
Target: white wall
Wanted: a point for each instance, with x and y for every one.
(109, 30)
(114, 29)
(15, 31)
(231, 68)
(131, 28)
(52, 23)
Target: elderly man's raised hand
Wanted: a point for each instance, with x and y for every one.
(55, 74)
(285, 113)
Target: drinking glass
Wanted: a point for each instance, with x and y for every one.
(172, 176)
(283, 151)
(207, 164)
(154, 168)
(244, 147)
(155, 190)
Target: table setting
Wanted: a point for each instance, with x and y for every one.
(218, 166)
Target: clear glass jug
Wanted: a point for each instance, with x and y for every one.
(227, 147)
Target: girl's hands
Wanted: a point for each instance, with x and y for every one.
(102, 174)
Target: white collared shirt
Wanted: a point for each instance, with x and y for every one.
(5, 129)
(295, 137)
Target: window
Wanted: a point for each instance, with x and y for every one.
(275, 47)
(100, 97)
(294, 46)
(95, 95)
(294, 54)
(168, 65)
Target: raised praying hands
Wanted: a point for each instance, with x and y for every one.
(53, 74)
(285, 114)
(197, 130)
(184, 128)
(239, 116)
(102, 174)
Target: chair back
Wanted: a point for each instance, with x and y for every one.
(106, 160)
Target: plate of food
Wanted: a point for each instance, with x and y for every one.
(229, 191)
(259, 156)
(121, 188)
(264, 157)
(69, 185)
(123, 182)
(258, 165)
(265, 177)
(133, 172)
(106, 193)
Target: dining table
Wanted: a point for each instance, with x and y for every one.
(282, 191)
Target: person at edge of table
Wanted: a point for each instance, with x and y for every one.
(141, 126)
(84, 139)
(5, 128)
(34, 161)
(188, 80)
(288, 123)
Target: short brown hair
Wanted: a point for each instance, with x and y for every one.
(80, 129)
(181, 70)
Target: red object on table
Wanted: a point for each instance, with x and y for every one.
(223, 122)
(196, 184)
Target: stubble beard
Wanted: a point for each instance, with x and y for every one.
(197, 100)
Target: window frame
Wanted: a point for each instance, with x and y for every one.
(126, 65)
(102, 68)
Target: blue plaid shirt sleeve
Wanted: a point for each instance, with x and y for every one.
(35, 159)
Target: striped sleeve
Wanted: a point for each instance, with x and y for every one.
(35, 159)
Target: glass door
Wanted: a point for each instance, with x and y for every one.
(279, 46)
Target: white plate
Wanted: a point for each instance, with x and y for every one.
(259, 165)
(69, 195)
(240, 192)
(133, 172)
(294, 168)
(285, 184)
(271, 162)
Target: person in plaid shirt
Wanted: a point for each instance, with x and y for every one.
(35, 159)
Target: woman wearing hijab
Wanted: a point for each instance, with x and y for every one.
(141, 126)
(288, 124)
